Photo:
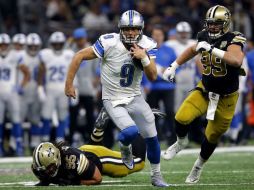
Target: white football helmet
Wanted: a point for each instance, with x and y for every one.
(33, 42)
(5, 42)
(57, 40)
(19, 39)
(131, 19)
(183, 31)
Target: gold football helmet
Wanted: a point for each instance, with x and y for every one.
(47, 158)
(217, 21)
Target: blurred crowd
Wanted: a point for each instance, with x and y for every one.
(44, 31)
(100, 16)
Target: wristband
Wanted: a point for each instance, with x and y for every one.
(175, 65)
(218, 52)
(145, 61)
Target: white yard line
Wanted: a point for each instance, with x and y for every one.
(247, 149)
(111, 184)
(183, 172)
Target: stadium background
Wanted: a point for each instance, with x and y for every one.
(101, 16)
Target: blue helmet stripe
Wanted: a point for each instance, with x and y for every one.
(131, 17)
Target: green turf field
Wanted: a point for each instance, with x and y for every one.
(227, 171)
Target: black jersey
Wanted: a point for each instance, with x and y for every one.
(218, 76)
(76, 165)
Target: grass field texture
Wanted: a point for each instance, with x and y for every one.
(228, 169)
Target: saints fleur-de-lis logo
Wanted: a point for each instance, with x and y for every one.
(50, 152)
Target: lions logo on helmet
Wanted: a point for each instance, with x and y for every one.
(47, 158)
(217, 21)
(131, 19)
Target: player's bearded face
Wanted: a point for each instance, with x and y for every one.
(214, 27)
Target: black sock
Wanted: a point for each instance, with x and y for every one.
(181, 130)
(207, 149)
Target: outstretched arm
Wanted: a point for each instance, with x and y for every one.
(96, 179)
(189, 53)
(84, 54)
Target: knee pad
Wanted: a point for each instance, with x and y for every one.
(126, 136)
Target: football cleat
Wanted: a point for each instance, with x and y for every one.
(127, 157)
(194, 175)
(102, 119)
(158, 113)
(158, 181)
(174, 149)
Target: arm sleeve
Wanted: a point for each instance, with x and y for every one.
(98, 48)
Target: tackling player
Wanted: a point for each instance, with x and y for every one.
(216, 94)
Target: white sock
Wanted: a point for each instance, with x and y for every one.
(155, 168)
(200, 162)
(183, 140)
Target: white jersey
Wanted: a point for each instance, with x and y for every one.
(32, 63)
(56, 68)
(120, 78)
(185, 75)
(8, 71)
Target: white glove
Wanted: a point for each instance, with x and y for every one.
(169, 73)
(41, 93)
(203, 46)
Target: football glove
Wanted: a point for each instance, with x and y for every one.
(20, 90)
(203, 46)
(41, 93)
(169, 73)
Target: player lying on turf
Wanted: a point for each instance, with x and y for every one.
(64, 165)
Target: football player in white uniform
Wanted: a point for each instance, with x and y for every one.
(53, 69)
(10, 62)
(124, 56)
(30, 104)
(185, 76)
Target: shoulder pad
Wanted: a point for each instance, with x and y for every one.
(104, 43)
(202, 36)
(238, 38)
(109, 39)
(83, 164)
(147, 43)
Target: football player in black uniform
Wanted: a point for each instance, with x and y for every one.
(216, 94)
(65, 165)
